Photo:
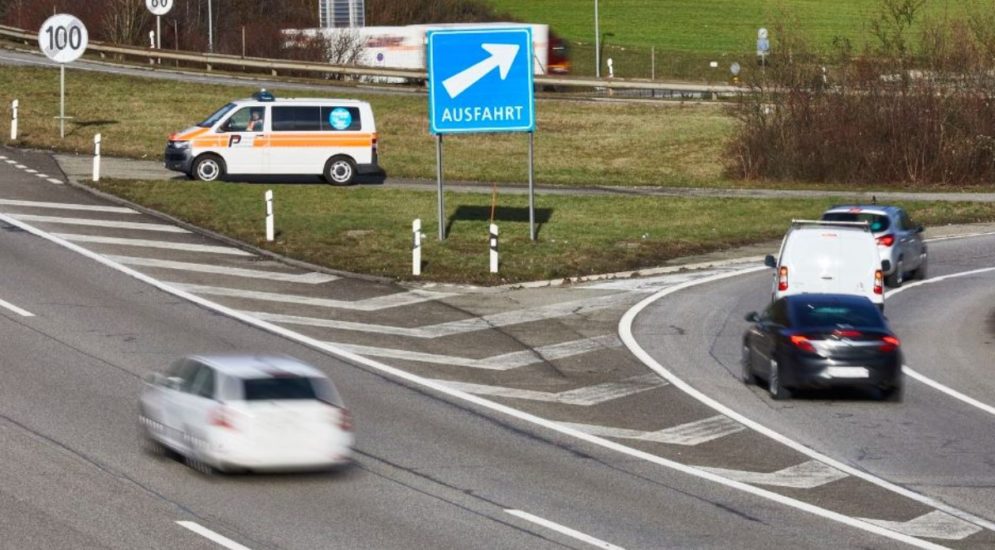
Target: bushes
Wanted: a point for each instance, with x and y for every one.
(903, 113)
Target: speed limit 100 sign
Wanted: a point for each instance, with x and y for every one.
(63, 38)
(159, 7)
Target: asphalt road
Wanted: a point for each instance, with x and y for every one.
(430, 472)
(932, 443)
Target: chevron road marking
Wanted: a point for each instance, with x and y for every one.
(450, 328)
(152, 244)
(101, 223)
(934, 525)
(806, 475)
(584, 397)
(369, 304)
(690, 434)
(502, 362)
(67, 206)
(312, 278)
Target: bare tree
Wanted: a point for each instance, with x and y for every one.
(126, 21)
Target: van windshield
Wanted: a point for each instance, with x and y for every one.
(213, 119)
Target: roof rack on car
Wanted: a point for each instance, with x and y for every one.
(861, 224)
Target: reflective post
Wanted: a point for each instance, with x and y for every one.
(269, 216)
(416, 236)
(493, 238)
(96, 158)
(13, 120)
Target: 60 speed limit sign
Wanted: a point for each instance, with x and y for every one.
(159, 7)
(63, 38)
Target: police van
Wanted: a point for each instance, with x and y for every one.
(264, 135)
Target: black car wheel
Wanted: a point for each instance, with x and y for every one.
(896, 279)
(746, 374)
(775, 384)
(920, 273)
(892, 394)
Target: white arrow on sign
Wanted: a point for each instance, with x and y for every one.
(502, 56)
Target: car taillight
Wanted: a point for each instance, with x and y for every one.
(802, 343)
(886, 240)
(344, 418)
(221, 417)
(782, 278)
(889, 343)
(878, 282)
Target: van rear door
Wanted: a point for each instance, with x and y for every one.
(831, 260)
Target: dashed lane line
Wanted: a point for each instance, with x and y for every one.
(689, 434)
(67, 206)
(506, 361)
(22, 312)
(312, 278)
(378, 303)
(186, 247)
(89, 222)
(584, 397)
(220, 540)
(572, 533)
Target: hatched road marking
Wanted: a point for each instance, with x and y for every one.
(369, 304)
(501, 362)
(934, 525)
(101, 223)
(806, 475)
(153, 244)
(584, 397)
(312, 278)
(67, 206)
(690, 434)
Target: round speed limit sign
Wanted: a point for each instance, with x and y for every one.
(159, 7)
(63, 38)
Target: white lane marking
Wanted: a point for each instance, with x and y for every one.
(187, 247)
(101, 223)
(9, 161)
(15, 309)
(378, 303)
(934, 525)
(653, 284)
(3, 157)
(501, 362)
(572, 533)
(583, 397)
(689, 434)
(68, 206)
(53, 180)
(961, 236)
(31, 171)
(484, 403)
(625, 330)
(806, 475)
(211, 535)
(929, 381)
(39, 175)
(312, 278)
(507, 318)
(20, 166)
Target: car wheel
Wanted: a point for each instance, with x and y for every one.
(340, 171)
(920, 273)
(775, 385)
(209, 168)
(746, 374)
(892, 394)
(896, 279)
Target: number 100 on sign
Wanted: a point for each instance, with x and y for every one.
(63, 38)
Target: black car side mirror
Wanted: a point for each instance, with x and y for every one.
(885, 265)
(769, 261)
(753, 317)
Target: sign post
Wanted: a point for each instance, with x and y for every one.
(63, 38)
(158, 9)
(763, 46)
(481, 81)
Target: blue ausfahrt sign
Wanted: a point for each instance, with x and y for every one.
(480, 80)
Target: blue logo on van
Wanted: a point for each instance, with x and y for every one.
(339, 118)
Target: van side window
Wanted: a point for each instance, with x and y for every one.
(296, 119)
(239, 122)
(340, 119)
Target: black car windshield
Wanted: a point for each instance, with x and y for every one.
(811, 314)
(213, 119)
(877, 222)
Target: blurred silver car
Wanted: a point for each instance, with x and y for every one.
(899, 240)
(246, 412)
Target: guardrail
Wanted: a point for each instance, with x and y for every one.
(276, 66)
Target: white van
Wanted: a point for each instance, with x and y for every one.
(829, 257)
(333, 138)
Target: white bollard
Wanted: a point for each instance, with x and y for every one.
(269, 216)
(494, 248)
(416, 236)
(96, 157)
(13, 120)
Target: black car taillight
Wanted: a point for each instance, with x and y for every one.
(889, 343)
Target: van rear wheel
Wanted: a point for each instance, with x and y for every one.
(340, 171)
(208, 168)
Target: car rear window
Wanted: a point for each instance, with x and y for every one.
(276, 388)
(831, 314)
(877, 222)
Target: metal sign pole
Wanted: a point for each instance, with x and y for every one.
(532, 189)
(442, 200)
(62, 101)
(158, 35)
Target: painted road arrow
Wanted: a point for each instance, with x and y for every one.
(501, 58)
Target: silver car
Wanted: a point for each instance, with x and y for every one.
(899, 240)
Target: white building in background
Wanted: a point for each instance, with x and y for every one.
(337, 14)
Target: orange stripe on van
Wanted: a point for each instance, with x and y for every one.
(320, 140)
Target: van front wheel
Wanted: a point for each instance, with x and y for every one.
(209, 168)
(340, 171)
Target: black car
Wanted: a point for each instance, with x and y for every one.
(822, 341)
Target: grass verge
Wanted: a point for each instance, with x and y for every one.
(367, 230)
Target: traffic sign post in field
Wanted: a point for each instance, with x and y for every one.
(158, 9)
(481, 80)
(63, 38)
